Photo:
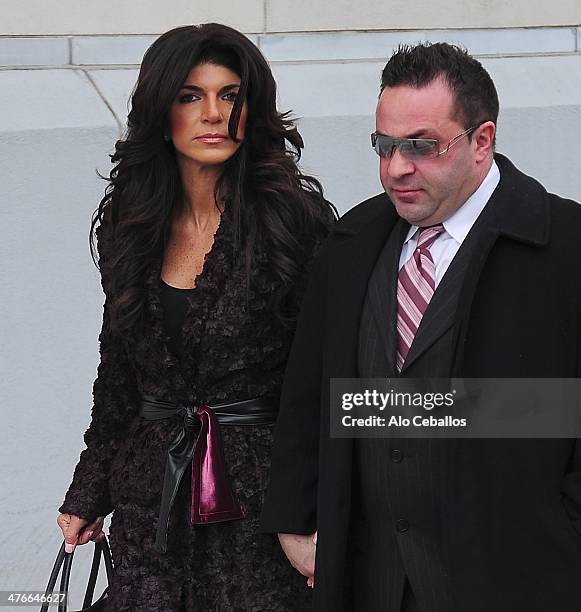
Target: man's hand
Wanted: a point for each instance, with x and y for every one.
(300, 551)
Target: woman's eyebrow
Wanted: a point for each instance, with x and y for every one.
(198, 89)
(193, 88)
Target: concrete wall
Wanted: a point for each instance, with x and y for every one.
(65, 78)
(33, 17)
(148, 16)
(285, 16)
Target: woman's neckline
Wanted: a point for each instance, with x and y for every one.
(175, 288)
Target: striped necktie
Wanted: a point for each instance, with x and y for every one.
(416, 284)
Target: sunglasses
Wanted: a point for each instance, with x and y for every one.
(413, 148)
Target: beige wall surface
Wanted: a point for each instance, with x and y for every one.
(37, 17)
(284, 16)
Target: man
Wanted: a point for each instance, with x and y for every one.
(466, 267)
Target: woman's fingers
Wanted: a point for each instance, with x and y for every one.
(77, 530)
(91, 531)
(98, 536)
(72, 531)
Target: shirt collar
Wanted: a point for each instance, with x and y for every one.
(460, 223)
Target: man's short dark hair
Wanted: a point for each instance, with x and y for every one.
(419, 65)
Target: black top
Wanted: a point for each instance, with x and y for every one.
(174, 303)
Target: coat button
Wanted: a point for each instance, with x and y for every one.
(402, 525)
(396, 455)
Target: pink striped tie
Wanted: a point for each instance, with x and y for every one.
(415, 287)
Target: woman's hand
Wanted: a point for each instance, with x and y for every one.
(300, 551)
(77, 530)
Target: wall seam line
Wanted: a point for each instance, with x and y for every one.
(265, 16)
(104, 99)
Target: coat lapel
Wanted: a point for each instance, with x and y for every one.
(508, 213)
(356, 249)
(382, 291)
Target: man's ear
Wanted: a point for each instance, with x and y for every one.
(484, 140)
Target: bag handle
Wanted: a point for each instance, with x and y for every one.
(53, 576)
(65, 560)
(101, 548)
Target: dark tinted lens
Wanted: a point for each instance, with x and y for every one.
(418, 147)
(408, 147)
(383, 145)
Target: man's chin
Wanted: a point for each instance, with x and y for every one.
(411, 208)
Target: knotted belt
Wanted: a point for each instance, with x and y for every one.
(198, 442)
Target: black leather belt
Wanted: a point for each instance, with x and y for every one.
(198, 443)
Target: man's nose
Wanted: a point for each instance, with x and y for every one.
(398, 165)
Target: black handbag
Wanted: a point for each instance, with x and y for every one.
(65, 560)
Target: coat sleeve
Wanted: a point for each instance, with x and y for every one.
(115, 403)
(291, 499)
(571, 487)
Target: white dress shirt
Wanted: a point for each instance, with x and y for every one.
(456, 227)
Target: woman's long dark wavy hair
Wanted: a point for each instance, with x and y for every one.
(270, 198)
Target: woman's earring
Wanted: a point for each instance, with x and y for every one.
(166, 136)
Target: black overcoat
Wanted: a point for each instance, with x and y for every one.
(513, 516)
(234, 348)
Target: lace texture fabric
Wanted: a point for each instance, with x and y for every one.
(233, 349)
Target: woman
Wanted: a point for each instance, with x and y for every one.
(204, 238)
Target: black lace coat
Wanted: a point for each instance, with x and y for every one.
(234, 349)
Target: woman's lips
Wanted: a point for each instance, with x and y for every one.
(211, 138)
